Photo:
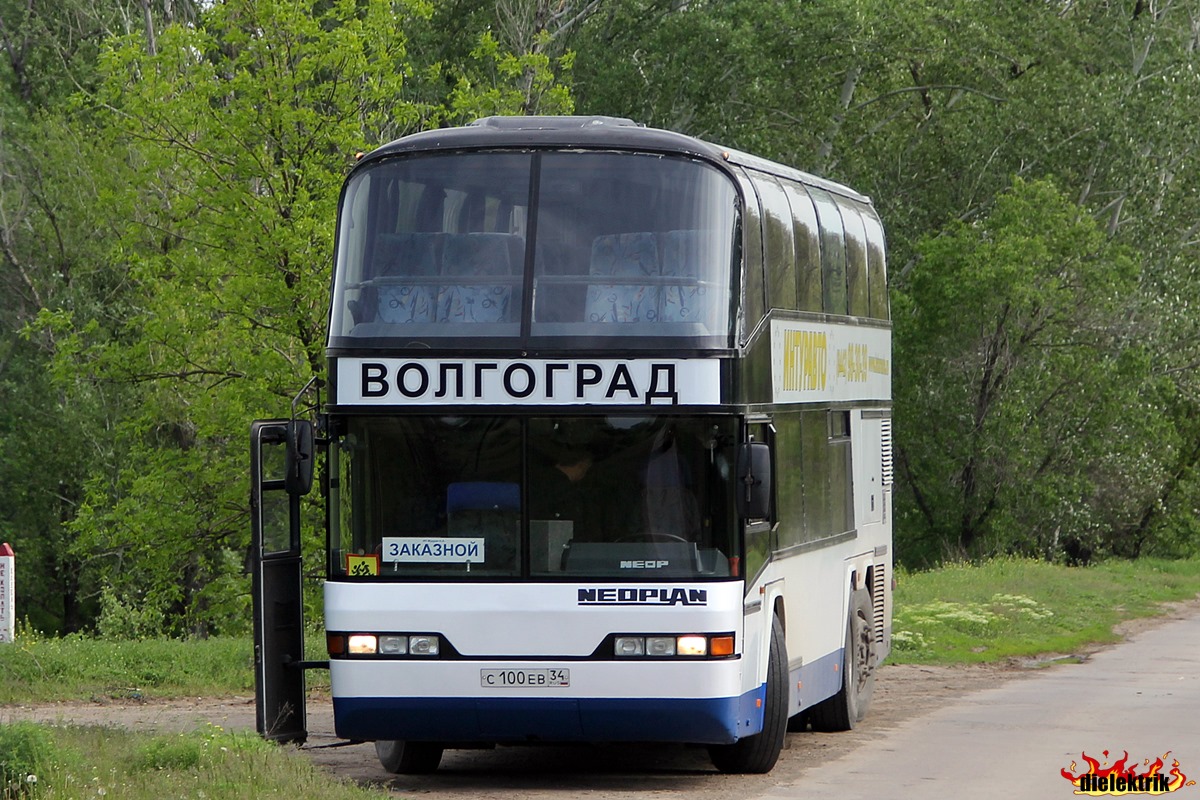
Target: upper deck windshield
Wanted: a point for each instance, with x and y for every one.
(483, 497)
(623, 249)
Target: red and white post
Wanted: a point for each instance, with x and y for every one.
(8, 593)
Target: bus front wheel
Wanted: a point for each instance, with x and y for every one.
(408, 758)
(758, 753)
(848, 707)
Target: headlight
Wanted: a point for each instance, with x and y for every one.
(660, 645)
(363, 644)
(424, 645)
(393, 645)
(631, 646)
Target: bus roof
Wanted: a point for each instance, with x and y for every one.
(594, 132)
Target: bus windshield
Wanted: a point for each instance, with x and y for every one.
(623, 248)
(503, 497)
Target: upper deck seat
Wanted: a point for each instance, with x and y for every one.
(400, 255)
(469, 255)
(682, 255)
(617, 255)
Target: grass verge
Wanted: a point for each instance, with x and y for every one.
(36, 669)
(39, 669)
(66, 763)
(1012, 608)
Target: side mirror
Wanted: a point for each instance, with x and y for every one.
(754, 480)
(299, 477)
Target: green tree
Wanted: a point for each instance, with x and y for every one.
(238, 132)
(52, 253)
(481, 57)
(1014, 428)
(932, 109)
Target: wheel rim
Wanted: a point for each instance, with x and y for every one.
(863, 649)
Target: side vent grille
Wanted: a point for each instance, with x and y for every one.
(878, 584)
(885, 449)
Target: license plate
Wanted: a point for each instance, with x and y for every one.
(524, 678)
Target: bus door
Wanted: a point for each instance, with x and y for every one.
(281, 453)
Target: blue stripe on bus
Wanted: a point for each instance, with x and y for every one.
(816, 681)
(719, 720)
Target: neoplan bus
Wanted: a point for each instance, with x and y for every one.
(606, 450)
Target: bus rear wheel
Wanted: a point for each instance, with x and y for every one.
(758, 753)
(848, 707)
(408, 758)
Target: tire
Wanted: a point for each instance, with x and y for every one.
(408, 758)
(758, 753)
(849, 706)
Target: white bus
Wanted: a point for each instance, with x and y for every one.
(606, 450)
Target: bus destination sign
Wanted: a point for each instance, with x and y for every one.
(481, 381)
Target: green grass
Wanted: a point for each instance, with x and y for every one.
(1012, 608)
(35, 668)
(88, 762)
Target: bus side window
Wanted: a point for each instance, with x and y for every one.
(876, 266)
(789, 480)
(807, 234)
(856, 258)
(758, 532)
(833, 253)
(841, 473)
(828, 503)
(778, 243)
(753, 289)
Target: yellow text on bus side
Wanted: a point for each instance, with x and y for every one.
(805, 361)
(852, 363)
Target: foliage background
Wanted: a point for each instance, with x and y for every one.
(169, 171)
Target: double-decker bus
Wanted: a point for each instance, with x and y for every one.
(606, 450)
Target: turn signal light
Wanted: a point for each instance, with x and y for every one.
(720, 646)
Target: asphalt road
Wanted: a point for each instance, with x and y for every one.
(1012, 741)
